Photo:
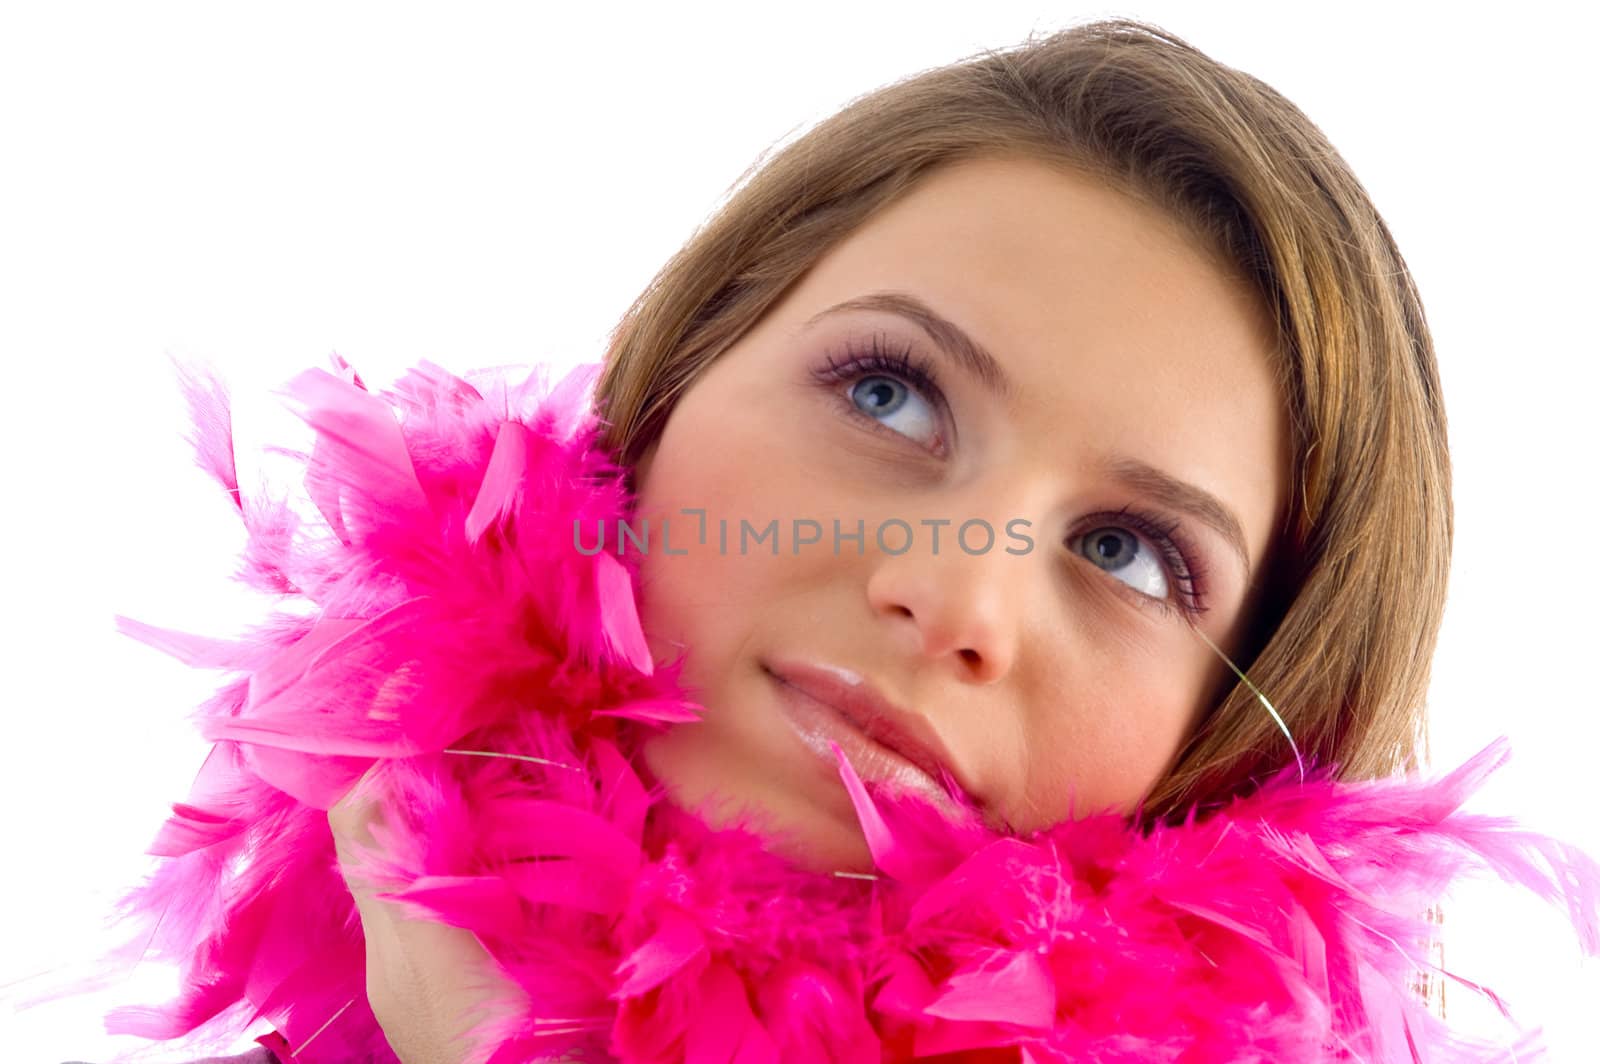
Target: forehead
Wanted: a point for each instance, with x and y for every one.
(1053, 271)
(1050, 247)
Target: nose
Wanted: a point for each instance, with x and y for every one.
(957, 602)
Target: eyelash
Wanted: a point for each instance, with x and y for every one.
(881, 356)
(878, 357)
(1169, 538)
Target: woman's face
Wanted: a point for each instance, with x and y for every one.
(1104, 400)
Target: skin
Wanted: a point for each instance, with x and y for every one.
(1058, 686)
(428, 983)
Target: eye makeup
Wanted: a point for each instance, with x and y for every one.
(1186, 573)
(882, 355)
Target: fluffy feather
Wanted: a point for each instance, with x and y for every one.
(500, 678)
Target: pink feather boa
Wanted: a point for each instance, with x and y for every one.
(451, 616)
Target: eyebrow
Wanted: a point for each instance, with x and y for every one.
(1140, 477)
(946, 334)
(1180, 495)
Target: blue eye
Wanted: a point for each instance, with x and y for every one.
(1124, 555)
(889, 386)
(1150, 555)
(895, 404)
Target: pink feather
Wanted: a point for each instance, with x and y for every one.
(501, 679)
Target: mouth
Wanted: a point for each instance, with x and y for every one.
(825, 706)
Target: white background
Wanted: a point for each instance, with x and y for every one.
(478, 184)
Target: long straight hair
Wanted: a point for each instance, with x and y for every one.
(1351, 606)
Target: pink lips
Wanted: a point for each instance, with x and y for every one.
(827, 705)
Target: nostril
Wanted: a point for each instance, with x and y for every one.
(971, 657)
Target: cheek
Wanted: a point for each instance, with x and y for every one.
(1103, 744)
(689, 599)
(705, 595)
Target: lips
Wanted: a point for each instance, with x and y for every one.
(882, 742)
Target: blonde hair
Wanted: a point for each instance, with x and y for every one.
(1350, 610)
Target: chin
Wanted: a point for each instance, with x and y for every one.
(811, 837)
(816, 832)
(830, 850)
